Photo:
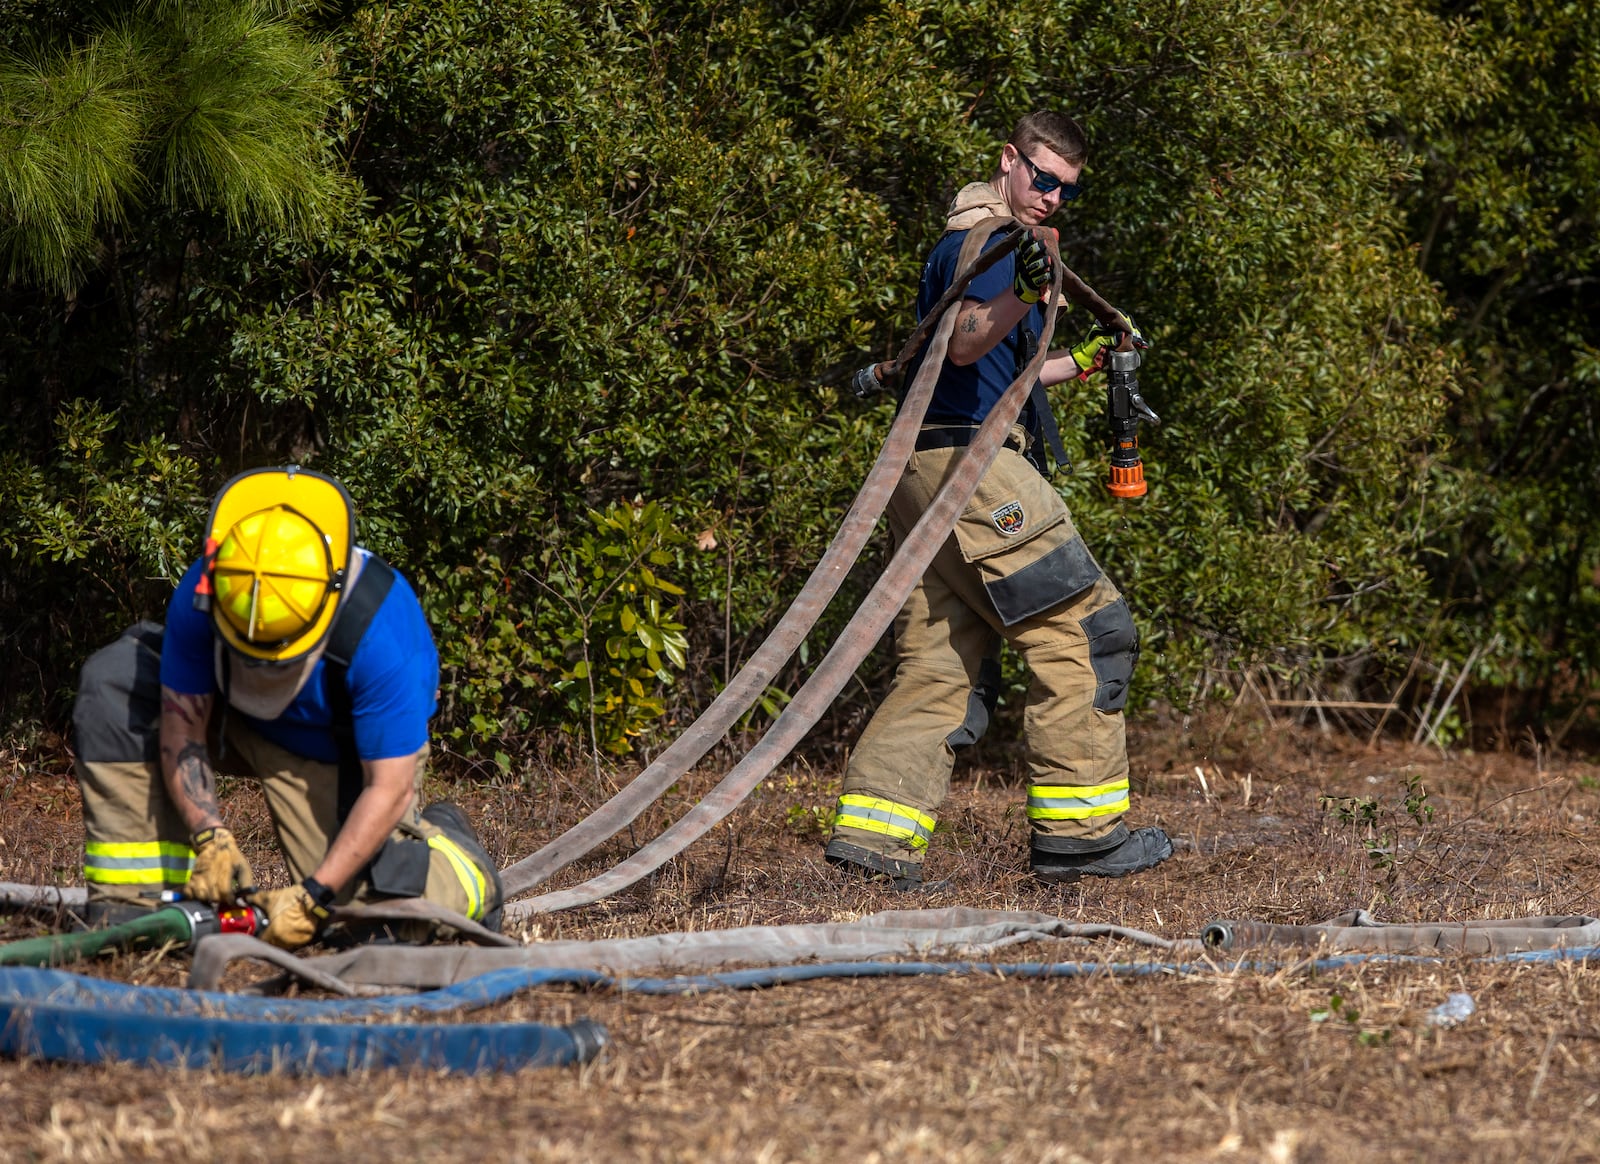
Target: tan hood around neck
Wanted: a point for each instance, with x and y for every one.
(973, 203)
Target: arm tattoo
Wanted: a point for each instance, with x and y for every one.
(970, 323)
(185, 707)
(195, 776)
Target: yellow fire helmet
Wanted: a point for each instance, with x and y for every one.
(277, 555)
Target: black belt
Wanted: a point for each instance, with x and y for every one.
(956, 438)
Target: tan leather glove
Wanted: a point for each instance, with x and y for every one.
(293, 917)
(220, 871)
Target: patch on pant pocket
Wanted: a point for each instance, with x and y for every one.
(1012, 506)
(1113, 649)
(1009, 519)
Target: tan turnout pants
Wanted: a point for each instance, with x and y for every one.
(135, 843)
(1014, 568)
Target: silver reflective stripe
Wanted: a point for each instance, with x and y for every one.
(1065, 802)
(163, 862)
(876, 815)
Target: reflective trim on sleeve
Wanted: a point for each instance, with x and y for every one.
(137, 862)
(467, 872)
(874, 815)
(1076, 802)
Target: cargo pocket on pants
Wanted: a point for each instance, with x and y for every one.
(1018, 534)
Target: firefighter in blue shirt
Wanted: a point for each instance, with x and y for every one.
(294, 657)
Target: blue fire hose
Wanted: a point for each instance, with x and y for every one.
(62, 1017)
(68, 1018)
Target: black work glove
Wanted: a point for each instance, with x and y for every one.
(1034, 267)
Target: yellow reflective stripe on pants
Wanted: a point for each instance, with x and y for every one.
(875, 815)
(137, 862)
(1073, 802)
(467, 872)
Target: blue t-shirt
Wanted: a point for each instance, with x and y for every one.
(393, 678)
(964, 395)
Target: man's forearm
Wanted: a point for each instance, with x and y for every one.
(380, 807)
(1059, 367)
(186, 769)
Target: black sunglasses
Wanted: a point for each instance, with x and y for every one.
(1044, 182)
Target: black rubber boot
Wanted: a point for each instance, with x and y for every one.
(1136, 851)
(453, 822)
(902, 876)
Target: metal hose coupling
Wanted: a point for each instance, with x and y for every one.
(589, 1038)
(1235, 934)
(866, 382)
(1217, 935)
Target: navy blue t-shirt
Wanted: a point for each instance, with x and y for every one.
(393, 678)
(964, 395)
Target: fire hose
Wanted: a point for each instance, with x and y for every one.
(871, 619)
(179, 923)
(752, 679)
(67, 1018)
(70, 1018)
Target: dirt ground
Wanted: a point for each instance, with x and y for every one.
(1275, 823)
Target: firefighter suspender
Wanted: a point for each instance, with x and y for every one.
(371, 588)
(1044, 428)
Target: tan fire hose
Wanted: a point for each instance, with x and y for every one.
(752, 679)
(872, 618)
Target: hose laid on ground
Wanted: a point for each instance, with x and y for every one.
(906, 933)
(752, 679)
(66, 1018)
(61, 1017)
(866, 626)
(961, 933)
(1359, 930)
(17, 895)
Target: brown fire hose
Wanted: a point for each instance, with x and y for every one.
(752, 679)
(873, 617)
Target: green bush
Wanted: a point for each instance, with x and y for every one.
(615, 252)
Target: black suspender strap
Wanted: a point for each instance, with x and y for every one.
(349, 624)
(1044, 427)
(227, 691)
(1047, 425)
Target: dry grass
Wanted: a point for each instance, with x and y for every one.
(1224, 1066)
